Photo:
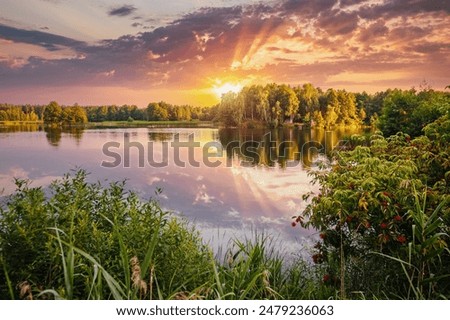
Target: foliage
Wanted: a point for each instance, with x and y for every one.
(230, 109)
(389, 198)
(22, 113)
(94, 232)
(276, 104)
(410, 111)
(80, 240)
(67, 115)
(53, 113)
(157, 113)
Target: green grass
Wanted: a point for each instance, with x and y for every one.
(81, 240)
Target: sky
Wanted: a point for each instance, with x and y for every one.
(96, 52)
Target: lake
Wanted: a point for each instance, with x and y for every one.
(230, 183)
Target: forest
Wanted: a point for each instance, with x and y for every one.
(271, 105)
(53, 113)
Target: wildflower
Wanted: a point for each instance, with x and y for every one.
(401, 238)
(326, 278)
(383, 225)
(397, 218)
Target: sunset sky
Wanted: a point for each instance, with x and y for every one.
(133, 52)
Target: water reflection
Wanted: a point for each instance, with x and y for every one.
(261, 190)
(287, 147)
(23, 127)
(53, 134)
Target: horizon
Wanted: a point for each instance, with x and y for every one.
(422, 87)
(189, 52)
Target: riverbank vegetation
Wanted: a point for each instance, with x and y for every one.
(383, 214)
(271, 105)
(84, 241)
(54, 114)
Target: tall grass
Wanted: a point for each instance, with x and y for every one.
(82, 240)
(422, 265)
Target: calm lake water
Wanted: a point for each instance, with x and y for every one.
(228, 182)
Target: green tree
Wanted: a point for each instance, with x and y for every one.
(398, 107)
(74, 115)
(231, 109)
(331, 117)
(308, 97)
(156, 112)
(255, 102)
(289, 102)
(283, 103)
(53, 113)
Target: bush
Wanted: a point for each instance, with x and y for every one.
(84, 241)
(383, 213)
(79, 240)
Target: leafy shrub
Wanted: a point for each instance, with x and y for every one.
(62, 242)
(383, 213)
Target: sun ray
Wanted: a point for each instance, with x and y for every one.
(221, 89)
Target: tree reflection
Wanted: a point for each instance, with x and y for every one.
(54, 134)
(283, 147)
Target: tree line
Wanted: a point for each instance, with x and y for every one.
(271, 105)
(53, 113)
(275, 104)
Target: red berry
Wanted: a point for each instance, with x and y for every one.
(383, 225)
(293, 224)
(398, 218)
(326, 278)
(401, 238)
(323, 236)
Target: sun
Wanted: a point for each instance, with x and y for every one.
(226, 87)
